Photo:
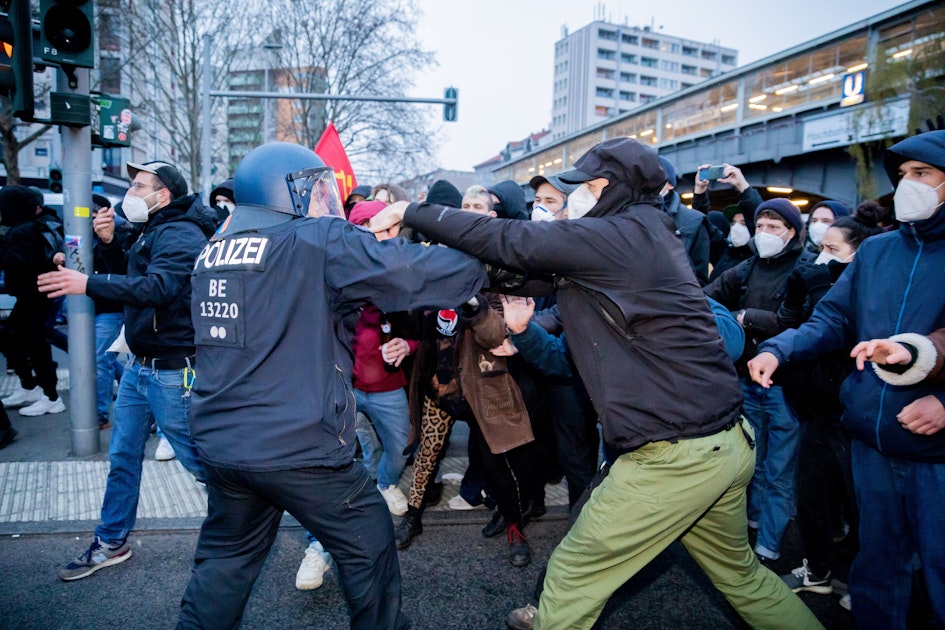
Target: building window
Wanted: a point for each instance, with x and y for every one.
(600, 110)
(645, 80)
(728, 59)
(689, 51)
(628, 96)
(669, 84)
(604, 73)
(705, 73)
(674, 48)
(109, 73)
(604, 92)
(603, 53)
(683, 86)
(649, 62)
(689, 69)
(647, 98)
(628, 77)
(609, 35)
(709, 55)
(633, 40)
(628, 58)
(650, 43)
(669, 66)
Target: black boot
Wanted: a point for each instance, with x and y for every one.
(496, 526)
(410, 526)
(519, 552)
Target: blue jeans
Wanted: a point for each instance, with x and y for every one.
(901, 515)
(778, 435)
(143, 394)
(390, 416)
(107, 366)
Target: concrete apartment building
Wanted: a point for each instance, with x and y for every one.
(604, 70)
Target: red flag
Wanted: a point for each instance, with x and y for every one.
(332, 152)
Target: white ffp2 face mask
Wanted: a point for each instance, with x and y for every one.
(915, 201)
(769, 245)
(816, 232)
(136, 208)
(826, 257)
(580, 202)
(739, 235)
(541, 213)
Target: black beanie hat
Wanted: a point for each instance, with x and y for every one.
(445, 194)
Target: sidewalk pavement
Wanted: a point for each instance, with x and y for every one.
(45, 489)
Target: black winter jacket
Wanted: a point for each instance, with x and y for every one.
(757, 286)
(156, 288)
(640, 330)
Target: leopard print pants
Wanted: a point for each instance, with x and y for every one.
(435, 426)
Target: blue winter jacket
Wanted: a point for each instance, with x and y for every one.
(895, 284)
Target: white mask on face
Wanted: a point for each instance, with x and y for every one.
(739, 235)
(826, 257)
(227, 205)
(136, 208)
(580, 202)
(541, 213)
(915, 201)
(769, 245)
(817, 231)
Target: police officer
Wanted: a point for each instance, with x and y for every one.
(275, 298)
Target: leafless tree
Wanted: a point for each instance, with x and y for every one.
(165, 40)
(354, 47)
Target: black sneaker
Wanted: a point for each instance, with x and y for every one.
(520, 554)
(496, 526)
(98, 556)
(410, 526)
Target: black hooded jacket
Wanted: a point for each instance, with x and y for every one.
(156, 288)
(512, 204)
(640, 329)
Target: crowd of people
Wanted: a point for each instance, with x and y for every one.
(695, 375)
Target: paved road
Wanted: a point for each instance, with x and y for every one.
(453, 577)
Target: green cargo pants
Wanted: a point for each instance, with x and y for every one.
(693, 490)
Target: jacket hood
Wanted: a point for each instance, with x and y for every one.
(225, 188)
(633, 170)
(445, 194)
(512, 204)
(186, 208)
(839, 209)
(17, 205)
(926, 147)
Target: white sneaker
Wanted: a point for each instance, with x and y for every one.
(396, 501)
(314, 565)
(459, 503)
(21, 397)
(845, 602)
(164, 451)
(44, 406)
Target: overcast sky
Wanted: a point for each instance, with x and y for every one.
(500, 53)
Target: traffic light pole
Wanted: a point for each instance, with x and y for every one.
(77, 216)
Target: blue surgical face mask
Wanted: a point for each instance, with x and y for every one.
(541, 213)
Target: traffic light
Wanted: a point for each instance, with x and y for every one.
(66, 32)
(16, 57)
(449, 109)
(55, 180)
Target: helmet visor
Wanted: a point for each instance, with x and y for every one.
(315, 193)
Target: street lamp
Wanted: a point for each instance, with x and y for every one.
(268, 48)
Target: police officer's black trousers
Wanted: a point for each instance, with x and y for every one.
(340, 506)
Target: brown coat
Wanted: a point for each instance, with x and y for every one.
(488, 387)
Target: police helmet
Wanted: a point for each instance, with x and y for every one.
(287, 178)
